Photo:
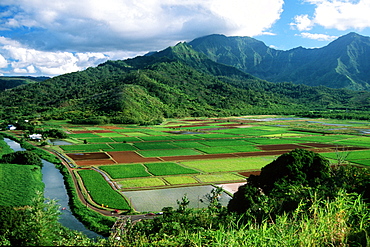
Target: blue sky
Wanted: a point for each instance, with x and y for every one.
(49, 38)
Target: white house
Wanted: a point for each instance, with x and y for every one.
(35, 137)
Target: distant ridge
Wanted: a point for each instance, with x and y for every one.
(344, 63)
(7, 82)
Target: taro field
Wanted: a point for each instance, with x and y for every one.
(149, 167)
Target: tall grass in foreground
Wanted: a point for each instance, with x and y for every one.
(344, 221)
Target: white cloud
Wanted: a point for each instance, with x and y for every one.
(29, 61)
(318, 36)
(69, 35)
(302, 22)
(3, 62)
(337, 14)
(129, 24)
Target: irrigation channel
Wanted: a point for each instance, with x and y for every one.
(55, 189)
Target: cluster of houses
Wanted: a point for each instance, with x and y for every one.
(33, 137)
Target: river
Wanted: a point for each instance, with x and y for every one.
(55, 189)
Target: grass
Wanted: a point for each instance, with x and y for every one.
(84, 135)
(155, 138)
(215, 150)
(349, 155)
(177, 180)
(188, 144)
(126, 139)
(168, 152)
(362, 162)
(100, 140)
(222, 143)
(141, 182)
(230, 164)
(19, 184)
(163, 169)
(221, 177)
(122, 147)
(245, 148)
(154, 145)
(85, 147)
(125, 171)
(101, 192)
(110, 134)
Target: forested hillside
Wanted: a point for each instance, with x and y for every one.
(344, 63)
(7, 82)
(176, 82)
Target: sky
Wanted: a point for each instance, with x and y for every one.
(53, 37)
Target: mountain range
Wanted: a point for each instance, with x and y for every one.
(180, 81)
(344, 63)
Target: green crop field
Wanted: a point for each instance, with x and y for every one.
(216, 150)
(125, 171)
(222, 143)
(141, 182)
(230, 164)
(122, 147)
(85, 147)
(188, 144)
(362, 162)
(177, 180)
(154, 145)
(126, 139)
(220, 177)
(101, 192)
(84, 135)
(19, 184)
(109, 134)
(156, 138)
(245, 148)
(100, 140)
(163, 169)
(168, 152)
(185, 137)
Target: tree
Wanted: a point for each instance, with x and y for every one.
(22, 158)
(284, 181)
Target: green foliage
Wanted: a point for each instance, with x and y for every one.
(293, 177)
(101, 192)
(22, 158)
(19, 183)
(176, 82)
(125, 171)
(163, 169)
(341, 64)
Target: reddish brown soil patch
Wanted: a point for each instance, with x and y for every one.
(88, 156)
(94, 162)
(130, 157)
(103, 131)
(110, 127)
(247, 174)
(279, 147)
(81, 131)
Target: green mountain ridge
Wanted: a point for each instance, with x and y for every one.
(7, 82)
(343, 63)
(175, 82)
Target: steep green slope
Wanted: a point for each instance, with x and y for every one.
(176, 82)
(7, 82)
(343, 63)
